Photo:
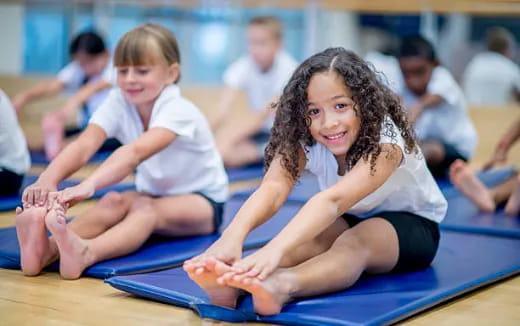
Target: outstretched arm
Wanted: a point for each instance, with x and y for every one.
(261, 206)
(426, 101)
(71, 159)
(120, 164)
(322, 210)
(69, 109)
(41, 89)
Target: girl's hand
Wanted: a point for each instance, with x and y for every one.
(74, 195)
(36, 194)
(260, 264)
(225, 250)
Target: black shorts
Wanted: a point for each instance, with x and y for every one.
(218, 211)
(451, 154)
(10, 182)
(418, 238)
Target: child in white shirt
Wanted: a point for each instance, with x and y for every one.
(180, 179)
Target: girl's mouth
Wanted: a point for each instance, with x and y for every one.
(335, 137)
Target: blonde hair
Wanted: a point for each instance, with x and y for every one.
(269, 22)
(146, 44)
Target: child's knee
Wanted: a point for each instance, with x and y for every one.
(112, 199)
(142, 204)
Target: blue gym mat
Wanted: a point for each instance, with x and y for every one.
(251, 171)
(39, 158)
(464, 262)
(159, 252)
(11, 202)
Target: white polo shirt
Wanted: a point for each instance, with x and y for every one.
(410, 188)
(73, 76)
(447, 122)
(14, 154)
(260, 86)
(490, 79)
(191, 163)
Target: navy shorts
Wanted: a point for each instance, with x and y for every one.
(10, 182)
(418, 238)
(218, 211)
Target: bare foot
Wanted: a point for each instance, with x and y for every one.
(513, 204)
(467, 183)
(270, 295)
(206, 278)
(74, 252)
(35, 248)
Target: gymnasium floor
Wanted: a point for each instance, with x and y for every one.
(48, 300)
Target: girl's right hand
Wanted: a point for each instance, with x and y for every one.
(36, 194)
(225, 250)
(73, 195)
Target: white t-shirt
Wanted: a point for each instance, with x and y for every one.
(189, 164)
(260, 87)
(490, 79)
(448, 122)
(387, 65)
(410, 188)
(73, 76)
(14, 154)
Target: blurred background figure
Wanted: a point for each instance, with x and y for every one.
(261, 74)
(492, 78)
(86, 79)
(435, 106)
(14, 158)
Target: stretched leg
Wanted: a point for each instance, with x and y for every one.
(107, 212)
(513, 204)
(174, 215)
(370, 246)
(465, 181)
(224, 295)
(36, 251)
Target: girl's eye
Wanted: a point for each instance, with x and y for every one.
(341, 106)
(142, 71)
(313, 111)
(122, 70)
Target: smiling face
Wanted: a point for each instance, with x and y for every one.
(334, 120)
(141, 85)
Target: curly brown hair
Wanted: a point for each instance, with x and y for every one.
(373, 102)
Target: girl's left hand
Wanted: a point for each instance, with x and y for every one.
(74, 195)
(260, 264)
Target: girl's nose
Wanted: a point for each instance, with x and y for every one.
(130, 76)
(330, 122)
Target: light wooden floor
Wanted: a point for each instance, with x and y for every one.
(48, 300)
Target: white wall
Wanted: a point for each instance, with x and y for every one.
(11, 38)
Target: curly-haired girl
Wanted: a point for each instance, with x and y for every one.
(378, 209)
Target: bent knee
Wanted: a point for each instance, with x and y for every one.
(112, 199)
(142, 204)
